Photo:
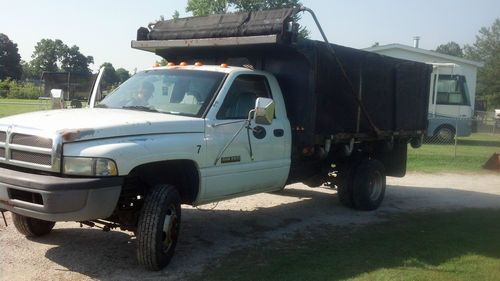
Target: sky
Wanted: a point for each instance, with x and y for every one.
(104, 29)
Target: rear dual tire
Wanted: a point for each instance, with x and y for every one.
(363, 187)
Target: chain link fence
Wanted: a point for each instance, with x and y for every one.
(453, 131)
(464, 144)
(486, 122)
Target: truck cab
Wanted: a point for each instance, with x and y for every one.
(224, 154)
(213, 132)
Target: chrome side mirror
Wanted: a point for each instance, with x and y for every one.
(264, 111)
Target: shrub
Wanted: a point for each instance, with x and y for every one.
(15, 90)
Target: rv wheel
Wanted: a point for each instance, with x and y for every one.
(445, 134)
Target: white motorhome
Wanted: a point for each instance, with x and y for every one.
(450, 110)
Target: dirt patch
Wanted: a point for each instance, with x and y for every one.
(74, 253)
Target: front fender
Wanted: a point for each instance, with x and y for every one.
(129, 152)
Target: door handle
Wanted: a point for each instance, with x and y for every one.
(278, 132)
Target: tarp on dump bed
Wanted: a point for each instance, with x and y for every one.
(318, 98)
(226, 25)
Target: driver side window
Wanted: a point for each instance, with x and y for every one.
(241, 96)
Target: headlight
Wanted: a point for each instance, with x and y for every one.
(80, 166)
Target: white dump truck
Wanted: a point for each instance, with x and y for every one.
(243, 107)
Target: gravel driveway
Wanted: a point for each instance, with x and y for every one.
(210, 232)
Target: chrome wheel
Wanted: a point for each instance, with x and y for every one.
(445, 134)
(368, 186)
(170, 226)
(376, 186)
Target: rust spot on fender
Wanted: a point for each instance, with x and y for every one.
(69, 135)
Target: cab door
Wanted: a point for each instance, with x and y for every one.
(244, 157)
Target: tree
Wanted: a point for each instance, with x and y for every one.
(46, 55)
(53, 56)
(207, 7)
(10, 60)
(451, 48)
(487, 49)
(109, 77)
(74, 61)
(175, 15)
(28, 71)
(122, 75)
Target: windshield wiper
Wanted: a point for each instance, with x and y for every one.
(100, 105)
(141, 108)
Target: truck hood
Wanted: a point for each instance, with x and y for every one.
(96, 123)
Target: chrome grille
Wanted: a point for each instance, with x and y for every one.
(31, 157)
(29, 140)
(30, 148)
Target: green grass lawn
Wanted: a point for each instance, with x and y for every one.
(14, 106)
(461, 245)
(471, 153)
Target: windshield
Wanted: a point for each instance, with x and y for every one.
(174, 91)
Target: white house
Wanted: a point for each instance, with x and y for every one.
(469, 67)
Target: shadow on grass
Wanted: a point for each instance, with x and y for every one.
(338, 251)
(415, 246)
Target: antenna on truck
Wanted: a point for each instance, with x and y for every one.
(342, 69)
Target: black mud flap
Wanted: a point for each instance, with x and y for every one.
(393, 158)
(3, 216)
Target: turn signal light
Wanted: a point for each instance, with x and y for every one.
(198, 63)
(171, 64)
(224, 65)
(183, 63)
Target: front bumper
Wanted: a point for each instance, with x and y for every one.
(54, 198)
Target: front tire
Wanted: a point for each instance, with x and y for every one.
(31, 227)
(158, 227)
(368, 185)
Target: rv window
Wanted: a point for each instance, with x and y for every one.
(452, 90)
